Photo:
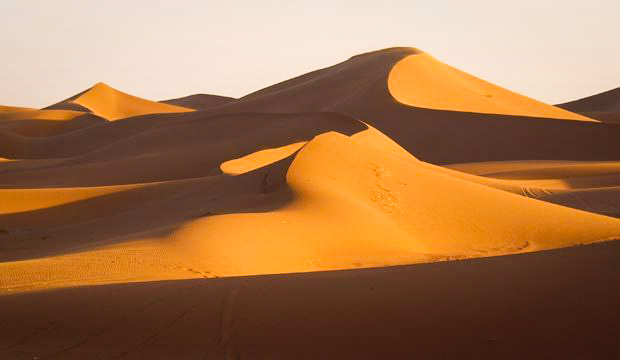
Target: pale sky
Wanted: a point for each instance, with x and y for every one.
(552, 50)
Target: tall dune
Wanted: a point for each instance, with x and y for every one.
(478, 129)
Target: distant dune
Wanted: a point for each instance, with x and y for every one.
(604, 106)
(112, 104)
(200, 101)
(118, 213)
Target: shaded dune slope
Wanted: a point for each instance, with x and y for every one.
(604, 106)
(200, 101)
(122, 153)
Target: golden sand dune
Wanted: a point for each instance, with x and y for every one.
(111, 104)
(388, 158)
(422, 81)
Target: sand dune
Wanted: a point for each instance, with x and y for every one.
(389, 158)
(200, 101)
(605, 101)
(111, 104)
(604, 106)
(359, 87)
(422, 81)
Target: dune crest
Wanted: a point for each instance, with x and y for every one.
(112, 104)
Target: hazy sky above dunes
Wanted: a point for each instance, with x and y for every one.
(551, 50)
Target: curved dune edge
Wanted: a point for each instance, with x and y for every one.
(259, 159)
(420, 80)
(353, 206)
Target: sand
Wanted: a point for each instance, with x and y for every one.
(604, 107)
(200, 101)
(112, 104)
(422, 81)
(551, 304)
(386, 207)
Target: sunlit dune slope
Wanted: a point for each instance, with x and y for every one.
(111, 104)
(421, 80)
(350, 195)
